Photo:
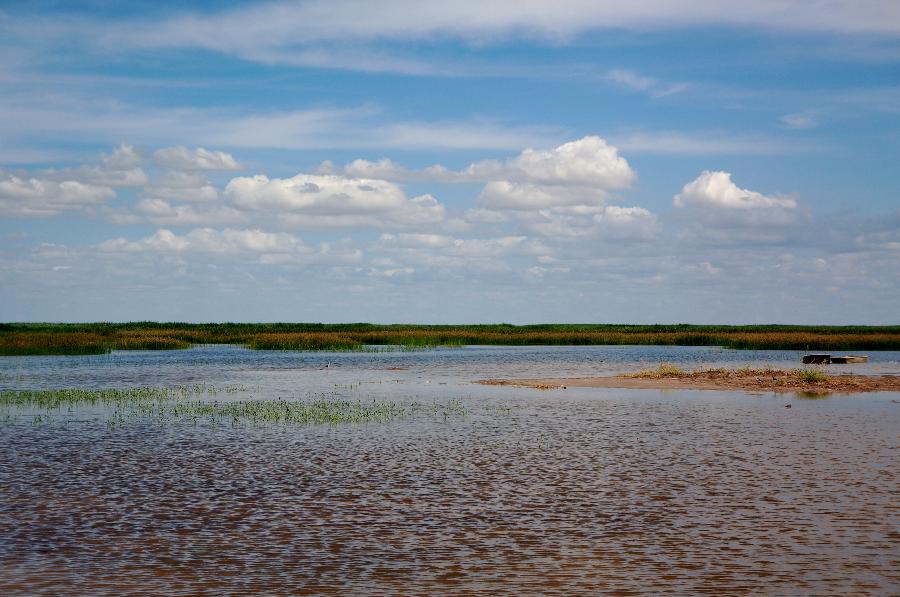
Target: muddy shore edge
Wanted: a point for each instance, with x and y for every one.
(763, 380)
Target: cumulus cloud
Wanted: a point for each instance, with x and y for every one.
(38, 198)
(510, 195)
(436, 252)
(459, 247)
(120, 168)
(330, 200)
(717, 211)
(182, 186)
(610, 222)
(163, 213)
(589, 162)
(123, 157)
(207, 240)
(414, 241)
(182, 158)
(714, 189)
(580, 172)
(313, 193)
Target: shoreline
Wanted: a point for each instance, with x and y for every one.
(753, 380)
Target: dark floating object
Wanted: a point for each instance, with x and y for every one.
(816, 359)
(850, 358)
(826, 359)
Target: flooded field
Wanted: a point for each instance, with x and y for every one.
(519, 491)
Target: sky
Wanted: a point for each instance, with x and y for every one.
(714, 161)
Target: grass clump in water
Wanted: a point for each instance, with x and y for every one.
(811, 376)
(664, 370)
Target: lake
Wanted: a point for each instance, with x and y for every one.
(576, 491)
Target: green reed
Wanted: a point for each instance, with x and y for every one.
(178, 406)
(99, 338)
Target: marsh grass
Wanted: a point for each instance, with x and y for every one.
(663, 370)
(811, 376)
(179, 406)
(303, 341)
(802, 376)
(98, 338)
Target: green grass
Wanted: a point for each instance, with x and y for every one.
(811, 376)
(179, 406)
(664, 370)
(98, 338)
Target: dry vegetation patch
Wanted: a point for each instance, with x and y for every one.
(667, 376)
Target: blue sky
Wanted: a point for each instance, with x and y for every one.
(713, 162)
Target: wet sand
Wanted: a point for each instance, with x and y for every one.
(753, 380)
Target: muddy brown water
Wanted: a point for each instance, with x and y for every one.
(584, 491)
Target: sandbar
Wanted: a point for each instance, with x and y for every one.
(755, 380)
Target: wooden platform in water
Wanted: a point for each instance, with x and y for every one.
(850, 358)
(826, 359)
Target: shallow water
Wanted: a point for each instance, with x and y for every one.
(578, 491)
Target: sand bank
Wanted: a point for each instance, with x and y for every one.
(755, 380)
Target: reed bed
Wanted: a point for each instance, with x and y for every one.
(303, 341)
(177, 405)
(78, 397)
(809, 375)
(98, 338)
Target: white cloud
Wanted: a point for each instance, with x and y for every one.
(384, 168)
(208, 240)
(800, 120)
(631, 80)
(636, 82)
(324, 194)
(707, 143)
(28, 116)
(575, 175)
(37, 198)
(182, 158)
(589, 161)
(610, 222)
(714, 189)
(496, 247)
(577, 172)
(292, 29)
(182, 186)
(120, 168)
(162, 213)
(510, 195)
(123, 157)
(329, 200)
(414, 241)
(627, 222)
(435, 253)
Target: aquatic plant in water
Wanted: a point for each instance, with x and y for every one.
(178, 406)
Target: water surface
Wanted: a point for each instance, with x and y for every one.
(579, 491)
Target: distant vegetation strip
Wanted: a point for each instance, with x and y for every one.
(99, 338)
